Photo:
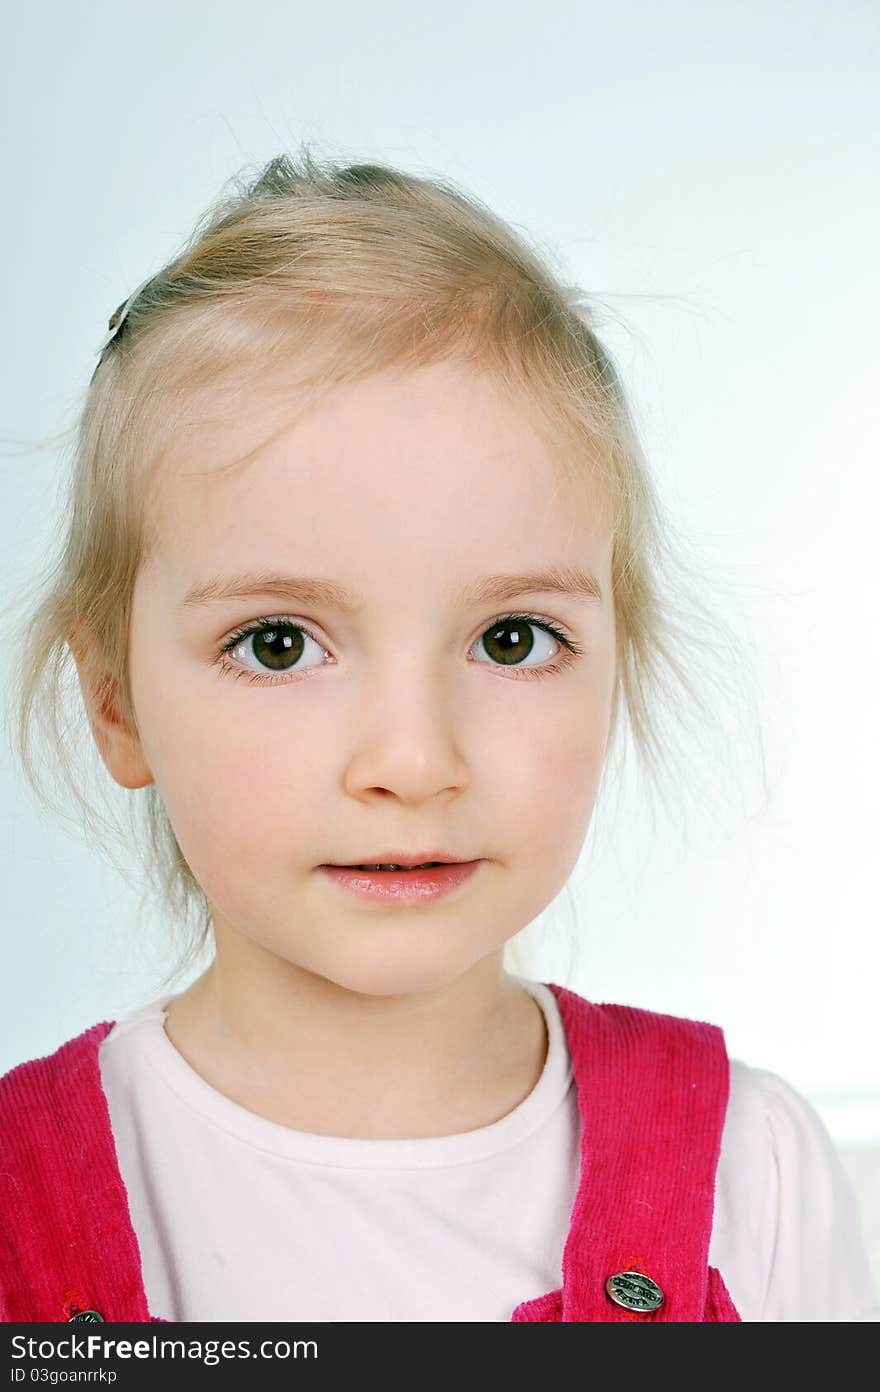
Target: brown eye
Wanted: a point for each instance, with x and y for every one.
(276, 647)
(511, 641)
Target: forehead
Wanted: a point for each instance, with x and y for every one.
(425, 468)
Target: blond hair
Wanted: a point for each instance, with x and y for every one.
(349, 269)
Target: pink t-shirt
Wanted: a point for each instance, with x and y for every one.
(241, 1218)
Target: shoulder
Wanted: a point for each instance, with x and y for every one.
(773, 1142)
(785, 1210)
(765, 1109)
(773, 1129)
(635, 1027)
(49, 1081)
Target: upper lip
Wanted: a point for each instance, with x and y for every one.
(403, 858)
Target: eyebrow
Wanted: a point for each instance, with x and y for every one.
(568, 581)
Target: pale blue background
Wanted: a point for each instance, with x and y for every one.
(709, 170)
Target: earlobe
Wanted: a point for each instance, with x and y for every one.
(120, 750)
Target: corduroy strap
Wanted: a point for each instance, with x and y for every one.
(652, 1093)
(66, 1238)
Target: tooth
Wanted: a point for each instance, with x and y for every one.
(426, 865)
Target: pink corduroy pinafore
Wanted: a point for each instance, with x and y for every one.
(652, 1093)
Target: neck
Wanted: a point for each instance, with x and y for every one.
(301, 1050)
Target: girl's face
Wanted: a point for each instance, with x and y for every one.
(395, 724)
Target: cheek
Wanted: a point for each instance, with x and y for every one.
(547, 773)
(237, 791)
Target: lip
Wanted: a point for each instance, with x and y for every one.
(402, 886)
(403, 858)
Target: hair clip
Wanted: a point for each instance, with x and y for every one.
(115, 322)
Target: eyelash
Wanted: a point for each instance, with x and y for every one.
(572, 650)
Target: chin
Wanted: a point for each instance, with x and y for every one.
(399, 978)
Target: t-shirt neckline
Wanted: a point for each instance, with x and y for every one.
(144, 1030)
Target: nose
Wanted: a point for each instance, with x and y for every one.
(406, 740)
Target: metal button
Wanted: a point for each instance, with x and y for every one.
(634, 1291)
(87, 1317)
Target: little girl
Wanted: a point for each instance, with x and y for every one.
(360, 581)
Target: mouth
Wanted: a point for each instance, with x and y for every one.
(396, 882)
(378, 866)
(395, 862)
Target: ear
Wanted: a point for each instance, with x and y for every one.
(120, 749)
